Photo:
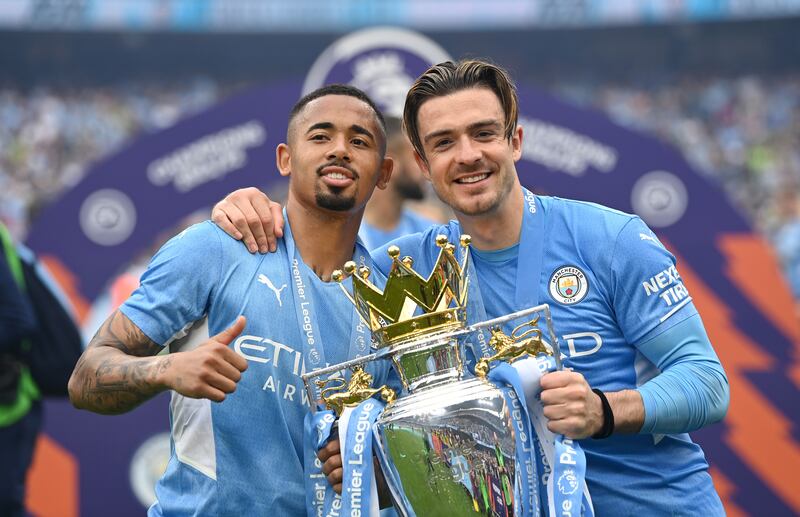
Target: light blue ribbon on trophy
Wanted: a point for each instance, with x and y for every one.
(359, 489)
(305, 307)
(565, 486)
(320, 497)
(313, 359)
(529, 266)
(528, 503)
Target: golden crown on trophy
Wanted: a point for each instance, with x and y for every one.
(411, 305)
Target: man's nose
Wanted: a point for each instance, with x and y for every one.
(339, 149)
(466, 151)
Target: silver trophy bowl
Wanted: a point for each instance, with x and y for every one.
(446, 444)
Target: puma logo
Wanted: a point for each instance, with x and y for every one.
(264, 279)
(646, 237)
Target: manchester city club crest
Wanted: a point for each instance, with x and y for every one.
(568, 285)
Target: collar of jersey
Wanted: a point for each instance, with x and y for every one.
(496, 256)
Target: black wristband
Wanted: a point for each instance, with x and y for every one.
(608, 417)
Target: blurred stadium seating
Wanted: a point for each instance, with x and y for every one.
(741, 131)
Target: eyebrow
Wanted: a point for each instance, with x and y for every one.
(355, 128)
(319, 125)
(471, 127)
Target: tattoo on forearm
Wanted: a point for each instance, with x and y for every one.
(110, 382)
(121, 333)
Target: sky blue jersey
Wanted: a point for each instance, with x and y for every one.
(410, 222)
(611, 286)
(243, 456)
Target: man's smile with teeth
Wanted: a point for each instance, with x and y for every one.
(473, 179)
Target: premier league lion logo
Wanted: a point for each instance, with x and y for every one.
(382, 61)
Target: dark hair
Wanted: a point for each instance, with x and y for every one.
(448, 77)
(337, 89)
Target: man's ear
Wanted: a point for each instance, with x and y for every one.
(283, 159)
(422, 163)
(385, 173)
(516, 143)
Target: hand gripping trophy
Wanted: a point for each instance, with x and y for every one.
(451, 443)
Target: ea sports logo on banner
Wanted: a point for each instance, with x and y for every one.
(382, 61)
(108, 217)
(660, 198)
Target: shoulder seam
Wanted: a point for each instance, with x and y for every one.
(219, 263)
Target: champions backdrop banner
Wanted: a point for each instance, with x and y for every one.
(119, 210)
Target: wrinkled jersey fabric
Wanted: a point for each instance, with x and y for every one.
(243, 456)
(611, 286)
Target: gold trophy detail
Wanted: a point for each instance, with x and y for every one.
(446, 425)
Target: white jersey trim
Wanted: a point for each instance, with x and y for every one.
(675, 309)
(192, 426)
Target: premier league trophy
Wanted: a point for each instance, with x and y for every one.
(449, 443)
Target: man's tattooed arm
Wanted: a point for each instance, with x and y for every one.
(117, 371)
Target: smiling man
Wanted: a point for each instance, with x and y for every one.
(643, 370)
(238, 403)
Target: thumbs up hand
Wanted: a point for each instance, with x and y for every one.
(209, 371)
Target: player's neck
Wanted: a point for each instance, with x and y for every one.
(498, 229)
(384, 209)
(324, 238)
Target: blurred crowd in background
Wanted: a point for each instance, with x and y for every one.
(49, 138)
(742, 132)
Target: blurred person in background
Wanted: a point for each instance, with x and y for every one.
(20, 405)
(786, 238)
(387, 216)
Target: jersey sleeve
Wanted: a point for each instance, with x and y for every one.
(178, 285)
(648, 294)
(692, 389)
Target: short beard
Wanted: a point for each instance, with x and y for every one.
(334, 200)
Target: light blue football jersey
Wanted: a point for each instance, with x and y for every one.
(410, 222)
(243, 456)
(610, 285)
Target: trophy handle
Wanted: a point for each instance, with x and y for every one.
(358, 389)
(510, 348)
